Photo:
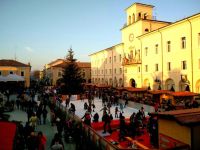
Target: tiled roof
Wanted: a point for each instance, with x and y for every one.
(183, 94)
(131, 89)
(14, 63)
(159, 92)
(184, 116)
(80, 64)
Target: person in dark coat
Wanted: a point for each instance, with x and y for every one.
(44, 114)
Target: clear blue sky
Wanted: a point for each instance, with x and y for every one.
(39, 31)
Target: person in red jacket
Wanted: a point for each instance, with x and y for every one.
(41, 141)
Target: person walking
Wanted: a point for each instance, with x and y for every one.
(41, 141)
(44, 114)
(33, 120)
(106, 119)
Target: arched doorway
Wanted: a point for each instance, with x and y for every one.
(102, 80)
(120, 82)
(146, 83)
(132, 83)
(184, 85)
(115, 82)
(169, 84)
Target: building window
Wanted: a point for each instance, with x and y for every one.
(59, 74)
(11, 72)
(110, 71)
(168, 46)
(156, 67)
(120, 70)
(110, 59)
(0, 73)
(156, 48)
(169, 66)
(146, 68)
(184, 65)
(183, 42)
(125, 70)
(106, 71)
(114, 58)
(146, 51)
(115, 71)
(22, 73)
(120, 58)
(138, 69)
(198, 39)
(101, 71)
(82, 74)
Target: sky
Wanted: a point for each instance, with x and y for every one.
(40, 31)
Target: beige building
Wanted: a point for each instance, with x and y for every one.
(152, 53)
(16, 68)
(54, 70)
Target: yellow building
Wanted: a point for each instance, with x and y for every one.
(179, 127)
(151, 54)
(14, 67)
(54, 70)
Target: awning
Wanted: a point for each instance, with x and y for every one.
(11, 77)
(2, 79)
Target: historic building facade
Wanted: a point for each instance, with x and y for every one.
(54, 70)
(17, 68)
(154, 54)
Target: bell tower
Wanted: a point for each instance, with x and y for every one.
(139, 11)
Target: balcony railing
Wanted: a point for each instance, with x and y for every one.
(132, 61)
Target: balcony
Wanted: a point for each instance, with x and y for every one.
(131, 61)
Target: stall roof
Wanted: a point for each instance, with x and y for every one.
(183, 94)
(183, 117)
(155, 92)
(102, 86)
(131, 89)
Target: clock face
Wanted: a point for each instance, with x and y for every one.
(131, 37)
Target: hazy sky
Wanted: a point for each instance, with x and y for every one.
(39, 31)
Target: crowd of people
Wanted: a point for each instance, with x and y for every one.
(37, 105)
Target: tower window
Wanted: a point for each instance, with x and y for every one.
(129, 20)
(145, 16)
(146, 30)
(139, 16)
(198, 39)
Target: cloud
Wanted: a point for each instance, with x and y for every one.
(28, 49)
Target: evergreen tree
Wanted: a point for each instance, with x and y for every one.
(72, 76)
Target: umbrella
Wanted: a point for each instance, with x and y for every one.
(14, 77)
